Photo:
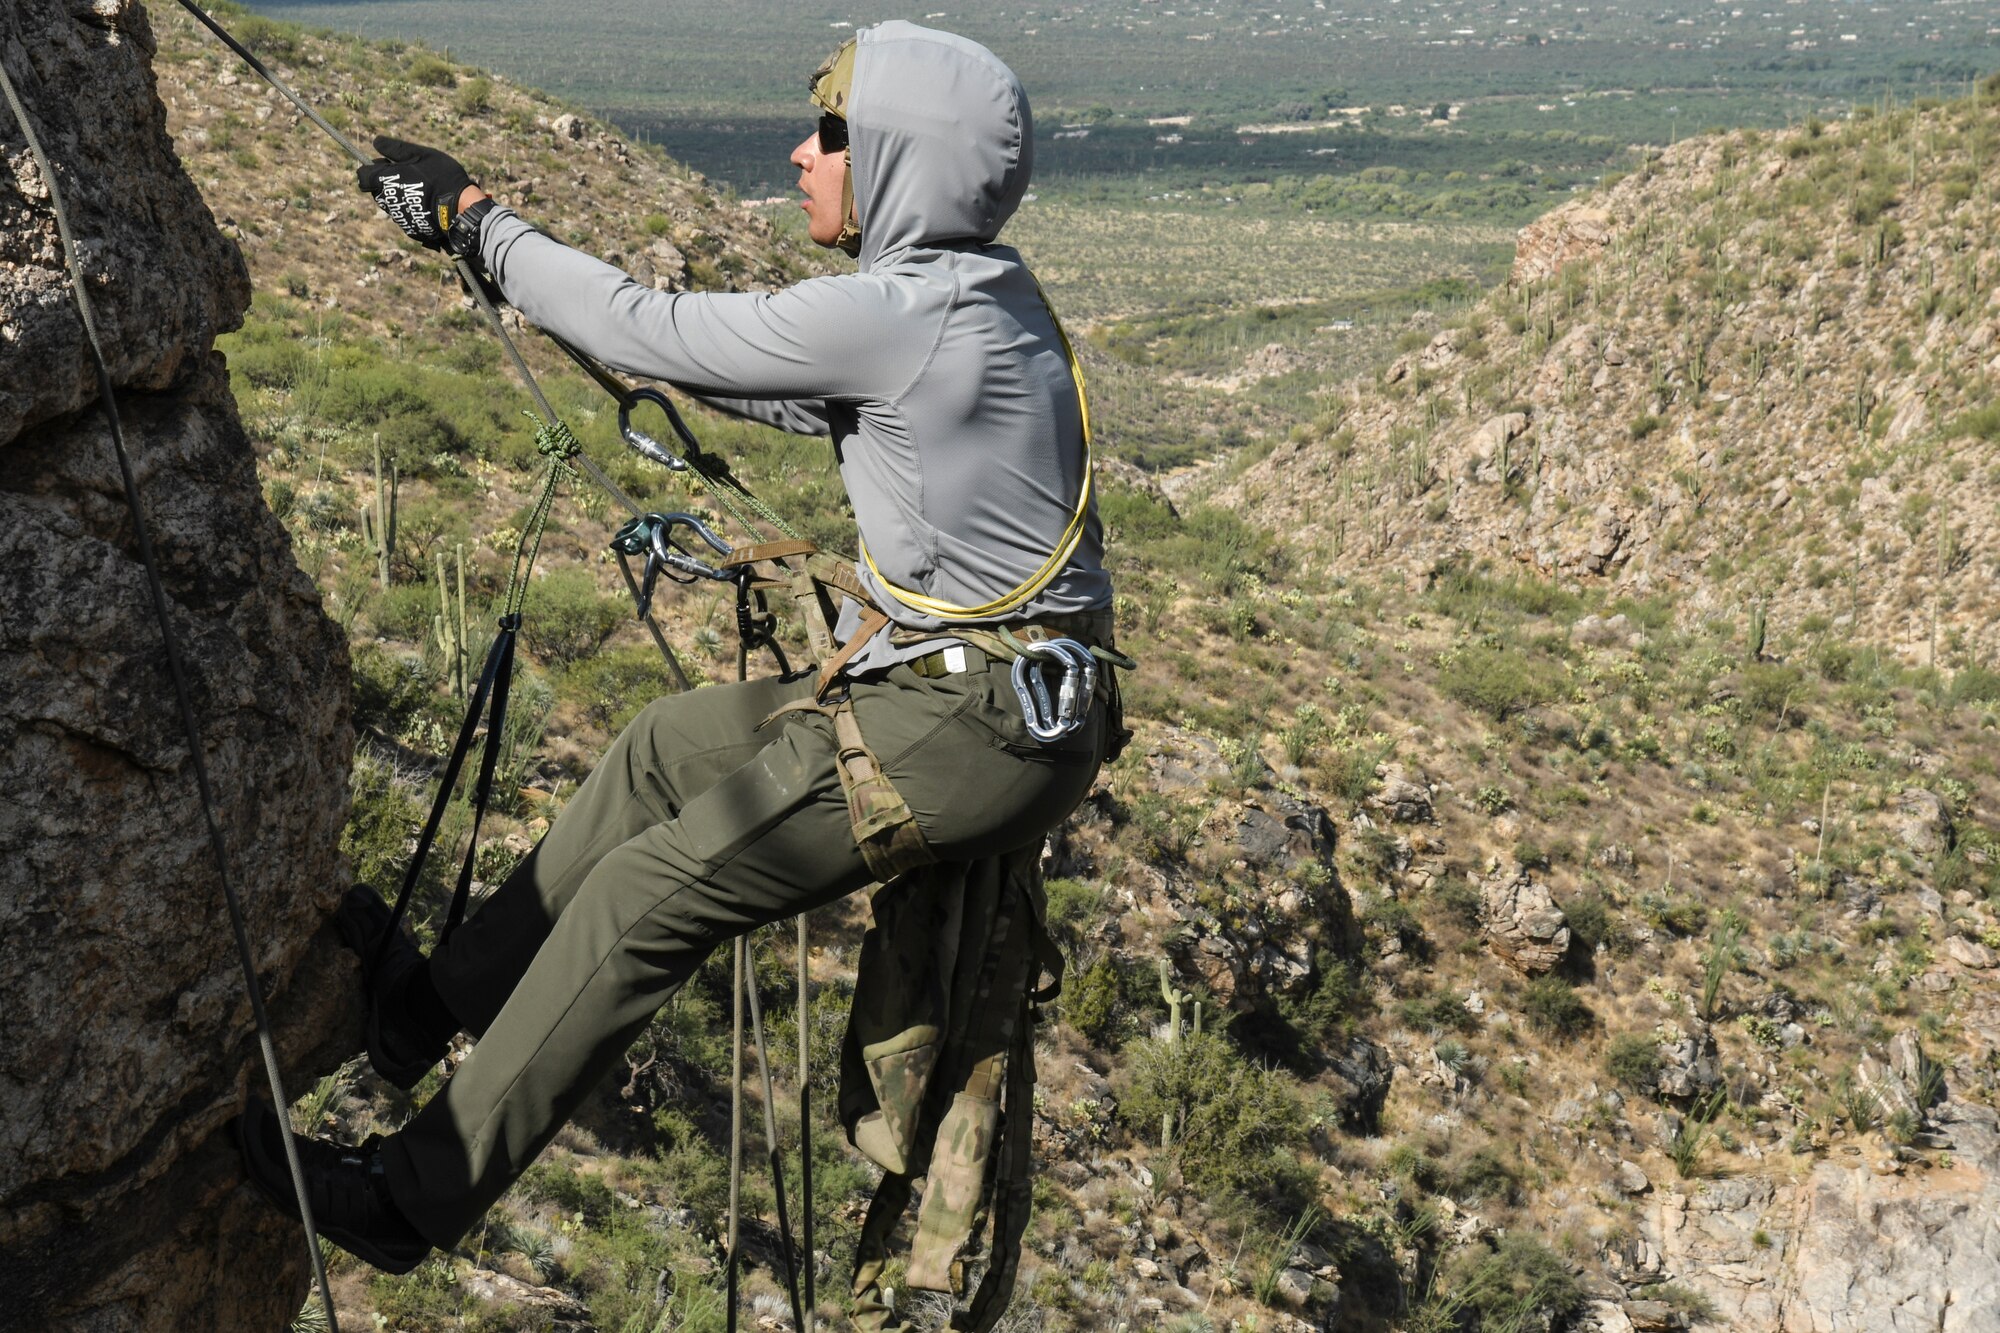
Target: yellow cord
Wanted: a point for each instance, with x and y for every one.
(1065, 548)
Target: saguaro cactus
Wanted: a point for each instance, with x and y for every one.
(1175, 999)
(448, 625)
(378, 521)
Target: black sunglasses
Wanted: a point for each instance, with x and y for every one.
(832, 133)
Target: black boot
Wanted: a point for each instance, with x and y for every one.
(349, 1196)
(401, 1047)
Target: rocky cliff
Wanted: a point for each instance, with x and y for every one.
(127, 1035)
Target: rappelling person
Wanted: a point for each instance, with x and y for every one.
(957, 416)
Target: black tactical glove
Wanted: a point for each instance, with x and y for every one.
(417, 187)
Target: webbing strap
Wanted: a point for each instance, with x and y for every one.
(492, 684)
(1013, 1188)
(183, 695)
(482, 792)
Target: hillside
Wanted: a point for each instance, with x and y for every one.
(1562, 959)
(1757, 373)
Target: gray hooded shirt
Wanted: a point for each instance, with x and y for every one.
(936, 369)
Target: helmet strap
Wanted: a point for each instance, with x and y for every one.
(849, 240)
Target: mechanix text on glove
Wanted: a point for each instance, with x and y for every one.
(417, 187)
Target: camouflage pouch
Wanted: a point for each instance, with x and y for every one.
(885, 828)
(954, 952)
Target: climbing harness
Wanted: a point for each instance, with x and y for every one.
(183, 697)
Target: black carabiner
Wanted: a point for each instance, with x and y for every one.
(640, 442)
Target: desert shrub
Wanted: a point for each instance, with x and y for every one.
(1443, 1012)
(267, 37)
(570, 1192)
(1674, 914)
(404, 611)
(1090, 1002)
(1687, 1300)
(1335, 1002)
(611, 687)
(1769, 687)
(1349, 774)
(389, 688)
(1466, 594)
(1554, 1007)
(427, 71)
(1517, 1284)
(1634, 1060)
(1873, 201)
(1982, 422)
(1391, 918)
(1411, 1163)
(1485, 1175)
(1975, 685)
(567, 619)
(1239, 1126)
(1498, 683)
(430, 1298)
(380, 822)
(1074, 907)
(1593, 923)
(1457, 900)
(473, 97)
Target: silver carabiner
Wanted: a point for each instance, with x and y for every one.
(1047, 719)
(641, 443)
(669, 552)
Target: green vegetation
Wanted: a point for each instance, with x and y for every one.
(1633, 1059)
(1554, 1007)
(1517, 1284)
(1238, 1126)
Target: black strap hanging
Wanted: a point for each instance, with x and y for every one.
(494, 678)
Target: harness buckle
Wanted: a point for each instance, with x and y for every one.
(1051, 719)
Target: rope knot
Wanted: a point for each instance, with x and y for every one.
(554, 439)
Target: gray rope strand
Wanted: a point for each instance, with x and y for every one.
(735, 1126)
(183, 696)
(805, 1129)
(776, 1152)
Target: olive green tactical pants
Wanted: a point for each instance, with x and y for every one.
(695, 828)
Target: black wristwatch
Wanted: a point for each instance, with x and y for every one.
(463, 238)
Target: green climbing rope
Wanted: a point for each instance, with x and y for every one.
(557, 444)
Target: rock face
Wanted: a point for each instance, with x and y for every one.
(1259, 945)
(1574, 231)
(1522, 923)
(1848, 1247)
(127, 1041)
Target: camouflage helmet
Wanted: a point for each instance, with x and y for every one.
(832, 85)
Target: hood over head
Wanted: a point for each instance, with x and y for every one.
(941, 137)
